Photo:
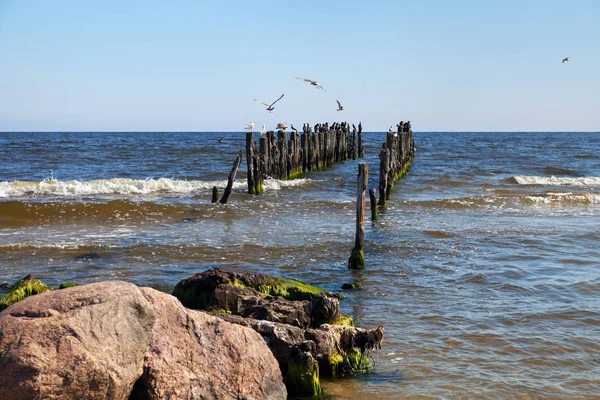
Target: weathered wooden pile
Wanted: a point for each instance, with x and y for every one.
(395, 159)
(290, 158)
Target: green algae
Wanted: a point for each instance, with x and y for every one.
(352, 285)
(343, 320)
(336, 362)
(219, 311)
(67, 285)
(303, 381)
(356, 363)
(23, 288)
(289, 289)
(357, 259)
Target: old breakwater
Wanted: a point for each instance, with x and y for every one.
(312, 150)
(395, 159)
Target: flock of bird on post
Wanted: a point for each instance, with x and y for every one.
(270, 108)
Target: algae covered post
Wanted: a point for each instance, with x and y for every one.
(357, 258)
(373, 198)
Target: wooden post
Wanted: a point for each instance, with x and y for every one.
(231, 179)
(384, 156)
(249, 162)
(357, 258)
(373, 198)
(215, 195)
(361, 150)
(258, 176)
(264, 155)
(353, 142)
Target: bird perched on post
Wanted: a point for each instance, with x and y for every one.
(250, 126)
(391, 130)
(340, 106)
(294, 129)
(270, 107)
(281, 126)
(263, 130)
(565, 59)
(314, 83)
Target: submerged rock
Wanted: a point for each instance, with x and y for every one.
(352, 285)
(114, 340)
(22, 288)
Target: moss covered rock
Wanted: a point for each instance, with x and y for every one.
(352, 285)
(196, 292)
(22, 288)
(67, 285)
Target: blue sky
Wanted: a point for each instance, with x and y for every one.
(196, 65)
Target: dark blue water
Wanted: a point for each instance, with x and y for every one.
(484, 269)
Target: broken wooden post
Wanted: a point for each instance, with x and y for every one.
(215, 195)
(373, 198)
(357, 258)
(249, 161)
(232, 174)
(361, 150)
(384, 163)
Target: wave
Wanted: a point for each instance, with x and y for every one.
(127, 187)
(565, 198)
(507, 201)
(557, 181)
(559, 171)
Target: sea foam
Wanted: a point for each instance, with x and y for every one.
(126, 186)
(557, 181)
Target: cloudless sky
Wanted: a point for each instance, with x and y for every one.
(466, 65)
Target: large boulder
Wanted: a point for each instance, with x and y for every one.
(113, 340)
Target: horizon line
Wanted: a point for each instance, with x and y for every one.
(243, 131)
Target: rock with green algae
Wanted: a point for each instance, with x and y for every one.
(302, 375)
(67, 285)
(339, 350)
(22, 288)
(260, 297)
(195, 292)
(352, 285)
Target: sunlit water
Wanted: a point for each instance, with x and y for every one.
(484, 269)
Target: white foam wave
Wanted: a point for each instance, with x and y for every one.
(566, 198)
(126, 186)
(557, 181)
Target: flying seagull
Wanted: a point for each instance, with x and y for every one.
(340, 106)
(263, 130)
(281, 126)
(314, 83)
(250, 126)
(270, 107)
(565, 59)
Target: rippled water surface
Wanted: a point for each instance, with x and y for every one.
(484, 269)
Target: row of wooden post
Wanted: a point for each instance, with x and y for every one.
(283, 158)
(394, 162)
(395, 159)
